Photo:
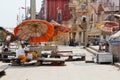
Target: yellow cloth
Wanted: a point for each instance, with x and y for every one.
(35, 55)
(23, 58)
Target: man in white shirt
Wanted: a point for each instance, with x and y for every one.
(20, 53)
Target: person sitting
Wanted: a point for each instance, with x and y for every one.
(54, 54)
(33, 53)
(106, 46)
(30, 54)
(20, 53)
(6, 48)
(101, 45)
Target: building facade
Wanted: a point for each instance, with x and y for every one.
(56, 10)
(71, 12)
(95, 12)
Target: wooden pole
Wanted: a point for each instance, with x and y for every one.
(33, 9)
(119, 13)
(25, 10)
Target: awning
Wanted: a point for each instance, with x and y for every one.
(116, 35)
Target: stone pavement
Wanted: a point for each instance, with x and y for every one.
(77, 49)
(73, 70)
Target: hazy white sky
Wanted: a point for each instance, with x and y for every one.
(9, 10)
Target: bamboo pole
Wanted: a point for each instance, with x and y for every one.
(119, 13)
(33, 9)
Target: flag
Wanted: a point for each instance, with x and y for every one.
(17, 18)
(58, 8)
(23, 8)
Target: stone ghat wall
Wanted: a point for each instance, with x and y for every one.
(115, 50)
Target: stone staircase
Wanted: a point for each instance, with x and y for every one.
(93, 52)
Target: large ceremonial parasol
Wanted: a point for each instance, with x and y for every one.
(6, 36)
(108, 26)
(34, 30)
(59, 29)
(115, 35)
(117, 16)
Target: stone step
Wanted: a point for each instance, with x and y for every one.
(91, 50)
(89, 61)
(90, 58)
(117, 65)
(95, 49)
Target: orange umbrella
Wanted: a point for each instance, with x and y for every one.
(60, 29)
(34, 30)
(6, 36)
(108, 26)
(117, 16)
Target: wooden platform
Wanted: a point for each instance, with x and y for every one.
(39, 61)
(50, 59)
(54, 61)
(43, 48)
(7, 56)
(71, 56)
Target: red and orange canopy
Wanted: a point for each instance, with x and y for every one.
(34, 30)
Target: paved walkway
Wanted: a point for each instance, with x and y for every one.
(76, 70)
(77, 49)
